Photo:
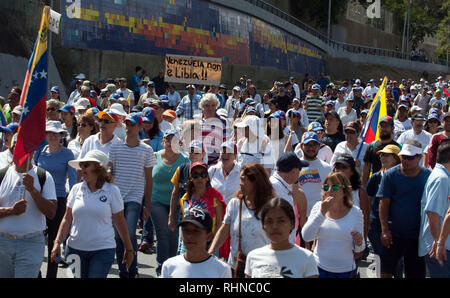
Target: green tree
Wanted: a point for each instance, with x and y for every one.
(443, 32)
(316, 12)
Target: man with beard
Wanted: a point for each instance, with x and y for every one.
(372, 162)
(311, 177)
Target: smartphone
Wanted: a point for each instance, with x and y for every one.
(62, 261)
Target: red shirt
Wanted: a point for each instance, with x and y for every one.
(432, 151)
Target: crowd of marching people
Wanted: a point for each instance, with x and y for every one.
(231, 181)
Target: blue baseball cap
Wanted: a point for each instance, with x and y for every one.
(164, 98)
(68, 108)
(350, 98)
(330, 102)
(135, 118)
(288, 161)
(434, 116)
(92, 93)
(151, 83)
(316, 87)
(315, 126)
(309, 136)
(120, 93)
(55, 89)
(114, 96)
(343, 89)
(93, 111)
(10, 128)
(148, 114)
(171, 132)
(278, 115)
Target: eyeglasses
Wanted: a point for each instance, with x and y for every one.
(106, 121)
(196, 175)
(334, 187)
(51, 109)
(85, 164)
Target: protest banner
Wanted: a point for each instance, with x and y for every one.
(193, 70)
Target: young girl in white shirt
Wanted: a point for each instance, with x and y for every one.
(279, 259)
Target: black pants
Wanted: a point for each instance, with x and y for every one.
(52, 231)
(408, 249)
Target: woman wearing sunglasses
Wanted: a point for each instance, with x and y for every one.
(337, 226)
(86, 127)
(53, 113)
(93, 206)
(200, 193)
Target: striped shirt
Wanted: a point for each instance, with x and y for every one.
(129, 164)
(314, 109)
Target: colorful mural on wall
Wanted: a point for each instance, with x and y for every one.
(185, 27)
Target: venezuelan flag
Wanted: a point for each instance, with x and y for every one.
(3, 120)
(33, 99)
(377, 110)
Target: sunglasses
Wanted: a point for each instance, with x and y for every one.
(409, 157)
(85, 165)
(51, 109)
(334, 187)
(196, 175)
(106, 121)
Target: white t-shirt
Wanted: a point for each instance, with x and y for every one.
(342, 148)
(371, 91)
(424, 137)
(295, 262)
(92, 224)
(129, 164)
(120, 132)
(310, 181)
(6, 158)
(229, 186)
(93, 142)
(252, 233)
(284, 191)
(12, 190)
(179, 267)
(127, 92)
(346, 118)
(400, 127)
(334, 249)
(338, 105)
(75, 147)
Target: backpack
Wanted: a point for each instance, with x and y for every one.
(41, 173)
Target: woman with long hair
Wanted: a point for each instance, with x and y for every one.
(93, 206)
(151, 134)
(87, 126)
(243, 214)
(200, 193)
(337, 226)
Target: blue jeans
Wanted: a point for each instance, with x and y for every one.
(147, 231)
(167, 241)
(21, 258)
(132, 210)
(327, 274)
(436, 270)
(94, 264)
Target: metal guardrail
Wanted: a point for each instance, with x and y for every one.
(351, 48)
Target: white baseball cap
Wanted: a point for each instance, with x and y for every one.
(410, 150)
(93, 155)
(82, 104)
(118, 109)
(54, 126)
